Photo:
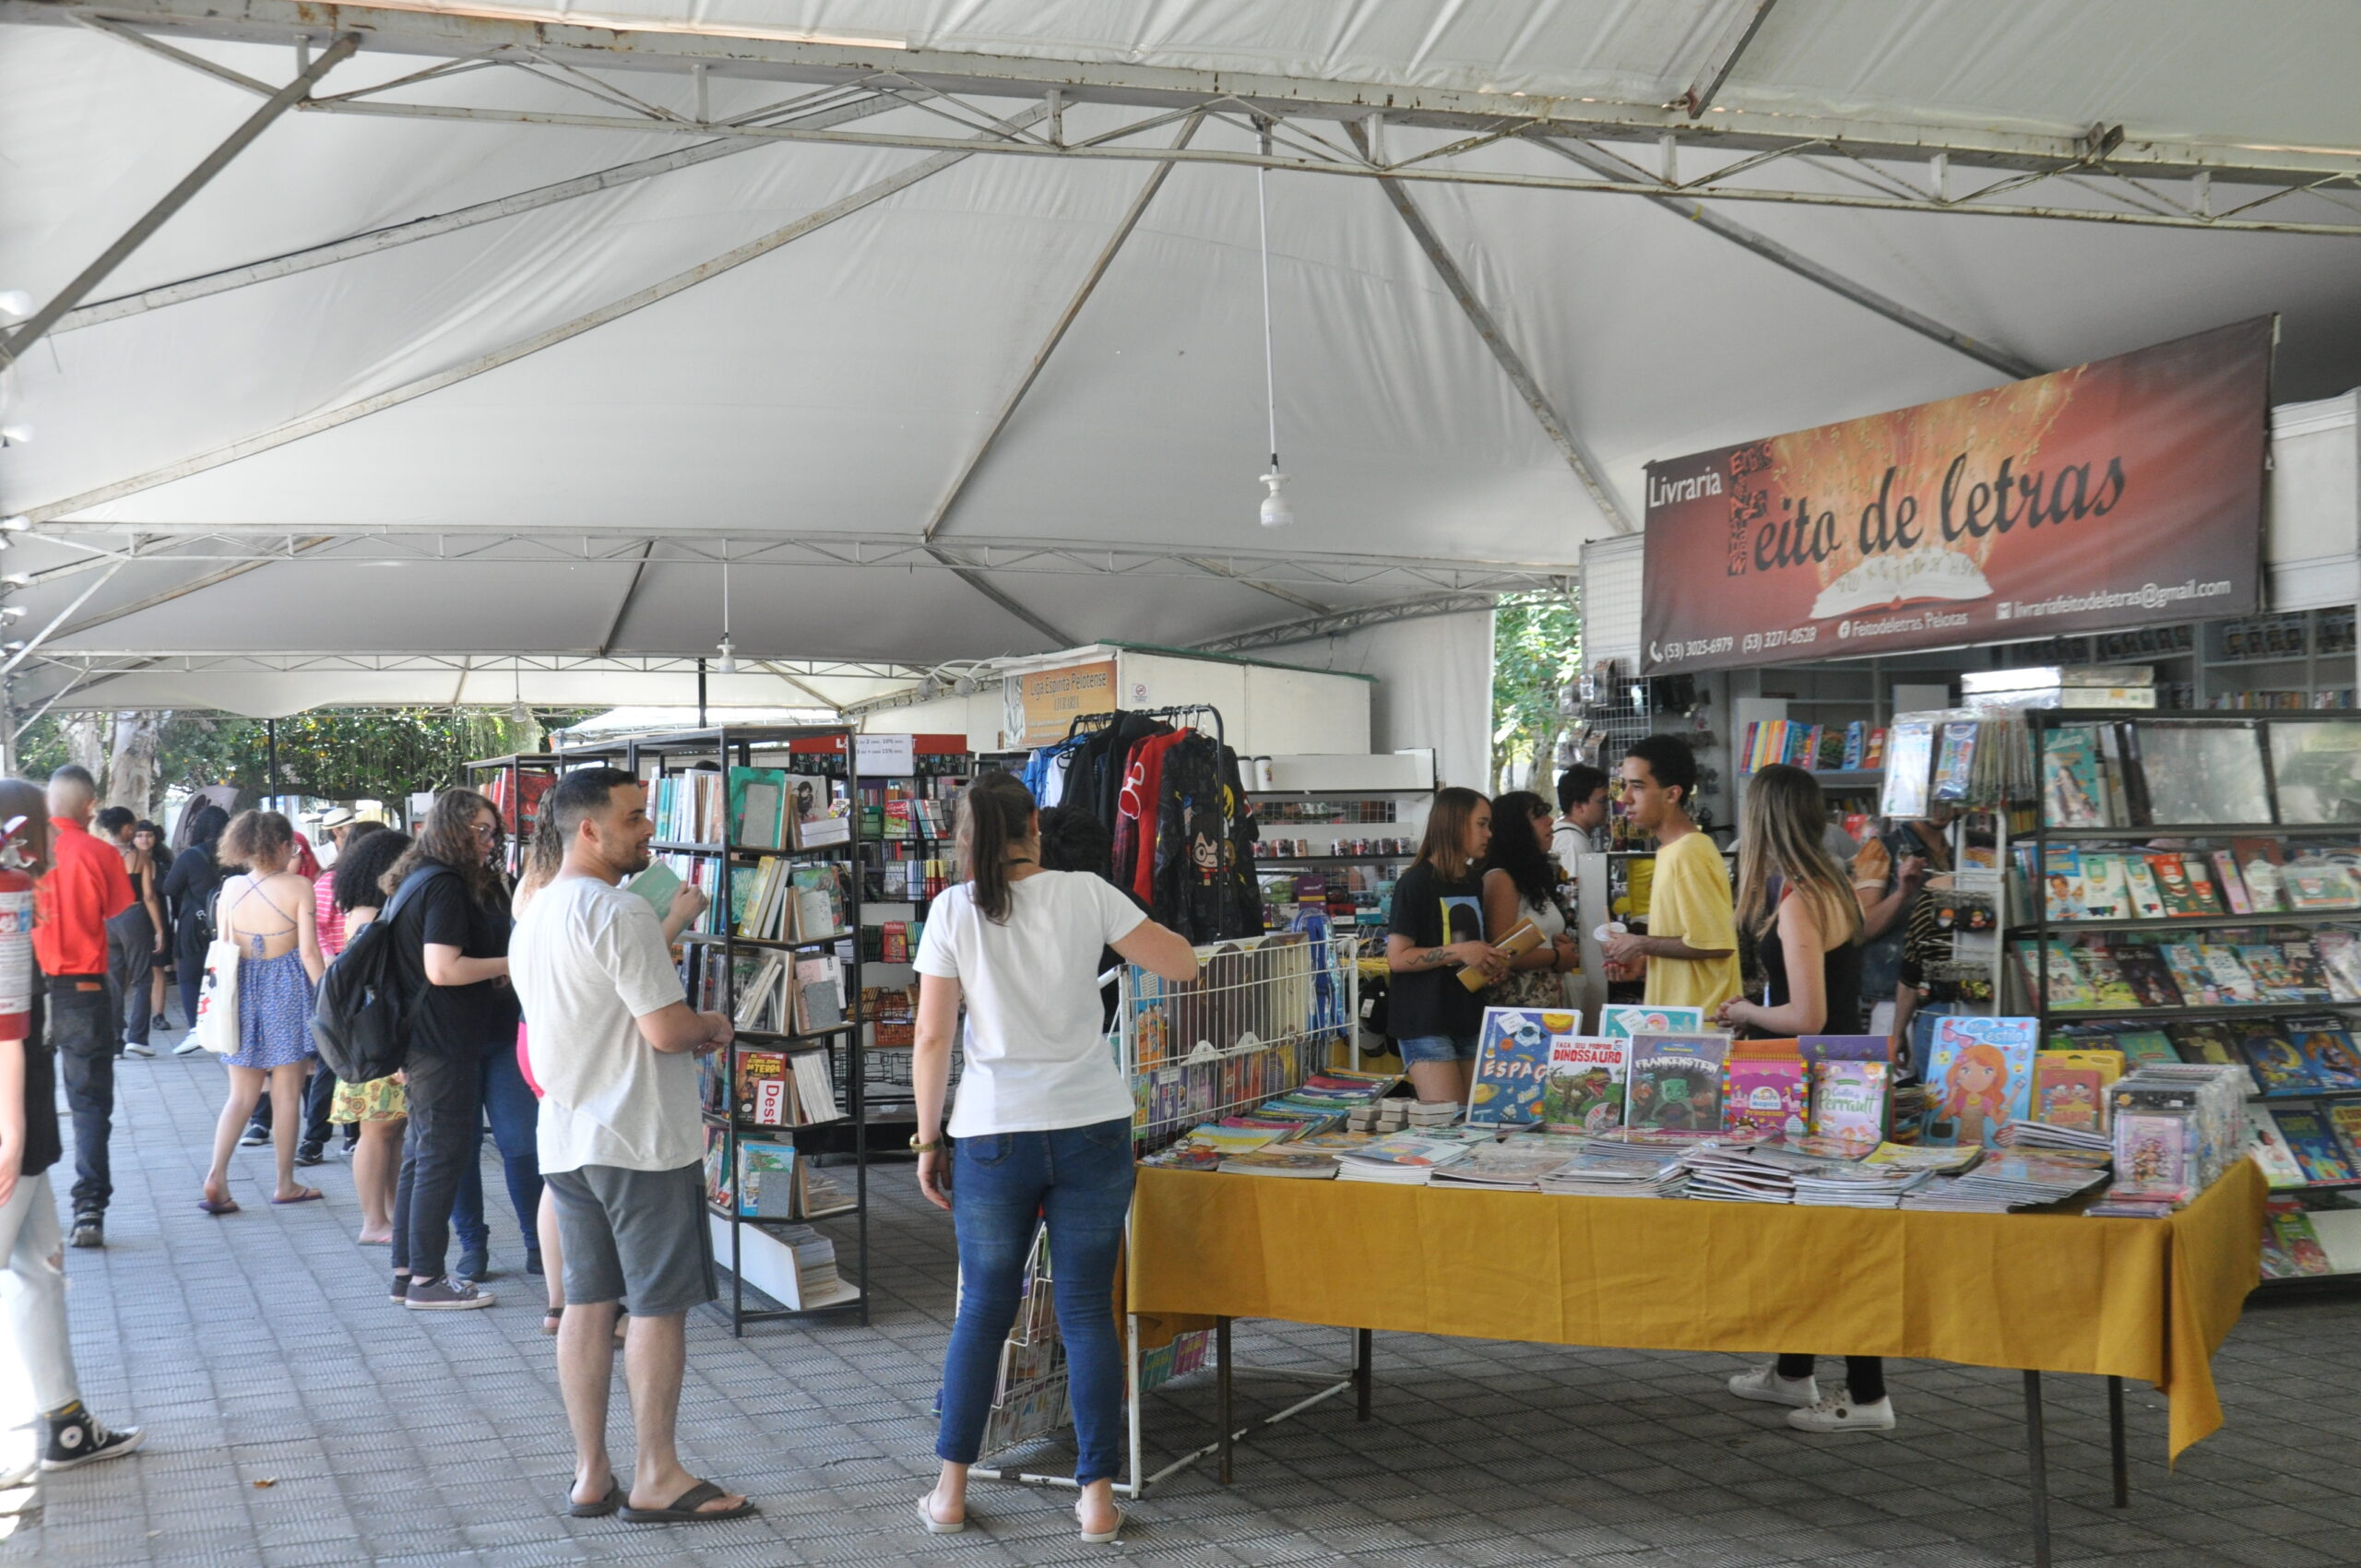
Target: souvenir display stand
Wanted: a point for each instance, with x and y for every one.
(1262, 1014)
(731, 818)
(1335, 832)
(2057, 1292)
(2267, 806)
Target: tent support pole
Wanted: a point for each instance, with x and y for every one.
(1553, 424)
(1724, 59)
(623, 608)
(329, 419)
(1131, 220)
(195, 179)
(1836, 282)
(976, 580)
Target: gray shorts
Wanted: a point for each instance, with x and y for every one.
(638, 1237)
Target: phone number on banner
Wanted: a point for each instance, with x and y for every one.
(1695, 647)
(1757, 642)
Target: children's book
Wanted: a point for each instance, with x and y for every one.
(2108, 988)
(765, 1179)
(2230, 977)
(2272, 979)
(2279, 1067)
(1766, 1094)
(2267, 1145)
(1676, 1083)
(1587, 1075)
(2190, 977)
(2206, 1044)
(1956, 767)
(2329, 1056)
(2069, 1088)
(2061, 877)
(1848, 1103)
(2067, 990)
(1979, 1078)
(2304, 966)
(2290, 1227)
(2154, 1154)
(2147, 900)
(2340, 956)
(2316, 881)
(2108, 893)
(2234, 886)
(2069, 777)
(2141, 1047)
(2315, 1146)
(2344, 1120)
(2263, 866)
(1619, 1020)
(2145, 971)
(1512, 1064)
(2183, 884)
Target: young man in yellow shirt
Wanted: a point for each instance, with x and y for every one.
(1691, 945)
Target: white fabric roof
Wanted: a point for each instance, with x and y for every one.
(832, 390)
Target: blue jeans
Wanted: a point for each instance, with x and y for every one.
(1079, 1180)
(516, 1119)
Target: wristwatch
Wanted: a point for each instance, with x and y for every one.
(918, 1147)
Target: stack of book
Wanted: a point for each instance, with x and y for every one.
(1517, 1162)
(1281, 1159)
(1836, 1184)
(1620, 1171)
(1401, 1158)
(2003, 1182)
(2048, 1135)
(1743, 1173)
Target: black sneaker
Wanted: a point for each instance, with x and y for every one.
(160, 1022)
(254, 1137)
(533, 1261)
(89, 1231)
(401, 1288)
(445, 1296)
(310, 1154)
(75, 1437)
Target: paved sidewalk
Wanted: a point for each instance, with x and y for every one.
(297, 1418)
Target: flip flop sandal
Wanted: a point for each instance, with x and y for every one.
(683, 1509)
(600, 1509)
(218, 1206)
(550, 1320)
(936, 1527)
(309, 1194)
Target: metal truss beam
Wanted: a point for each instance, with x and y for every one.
(1341, 622)
(1105, 259)
(1578, 456)
(370, 242)
(1771, 250)
(1715, 70)
(155, 217)
(315, 661)
(329, 419)
(976, 579)
(685, 48)
(161, 545)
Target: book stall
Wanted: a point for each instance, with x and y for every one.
(1652, 1185)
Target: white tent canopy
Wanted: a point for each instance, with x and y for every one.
(933, 332)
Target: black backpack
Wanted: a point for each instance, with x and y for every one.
(361, 1019)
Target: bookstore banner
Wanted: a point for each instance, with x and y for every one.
(2120, 493)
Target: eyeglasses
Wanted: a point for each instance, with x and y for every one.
(486, 830)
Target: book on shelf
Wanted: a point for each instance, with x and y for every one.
(761, 816)
(2234, 886)
(2267, 1147)
(2183, 884)
(2328, 1053)
(2204, 1043)
(2062, 882)
(2118, 887)
(2192, 975)
(2315, 1145)
(2072, 792)
(1586, 1088)
(2262, 867)
(766, 1186)
(2316, 880)
(2146, 974)
(2107, 985)
(2291, 1247)
(2345, 1121)
(819, 992)
(2278, 1066)
(689, 806)
(2067, 990)
(1676, 1082)
(1511, 1072)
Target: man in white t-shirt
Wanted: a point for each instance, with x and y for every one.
(613, 1048)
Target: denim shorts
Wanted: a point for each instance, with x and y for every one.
(1438, 1048)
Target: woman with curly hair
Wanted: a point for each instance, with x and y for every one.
(1521, 881)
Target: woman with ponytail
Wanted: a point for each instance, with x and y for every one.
(1042, 1128)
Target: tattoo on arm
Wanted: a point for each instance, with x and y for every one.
(1433, 956)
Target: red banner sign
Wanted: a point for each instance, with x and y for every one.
(2121, 493)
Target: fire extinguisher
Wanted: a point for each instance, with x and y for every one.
(16, 934)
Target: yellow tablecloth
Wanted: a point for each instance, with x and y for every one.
(2149, 1298)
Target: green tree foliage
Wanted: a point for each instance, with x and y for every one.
(330, 753)
(1536, 650)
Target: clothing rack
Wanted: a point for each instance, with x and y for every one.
(1191, 711)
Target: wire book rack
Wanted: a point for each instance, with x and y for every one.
(1262, 1015)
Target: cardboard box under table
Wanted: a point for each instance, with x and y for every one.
(2148, 1299)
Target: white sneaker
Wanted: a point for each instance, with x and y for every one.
(1765, 1384)
(137, 1047)
(188, 1045)
(1838, 1412)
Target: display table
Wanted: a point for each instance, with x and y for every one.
(2148, 1299)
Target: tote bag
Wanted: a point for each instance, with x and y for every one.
(217, 998)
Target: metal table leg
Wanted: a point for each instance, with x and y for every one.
(2040, 1466)
(1362, 1378)
(2114, 1436)
(1221, 1393)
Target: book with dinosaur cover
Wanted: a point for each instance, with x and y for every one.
(1587, 1075)
(1676, 1082)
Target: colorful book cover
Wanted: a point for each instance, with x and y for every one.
(2230, 977)
(2267, 1147)
(2069, 777)
(1909, 763)
(2279, 1067)
(2304, 966)
(1766, 1094)
(2069, 1088)
(2315, 881)
(2344, 1120)
(2154, 1154)
(2328, 1053)
(2108, 893)
(2315, 1146)
(1955, 766)
(2272, 979)
(1676, 1082)
(2147, 900)
(2234, 888)
(2067, 990)
(1623, 1020)
(2061, 877)
(1980, 1077)
(1587, 1076)
(2183, 884)
(2108, 988)
(2191, 975)
(2340, 956)
(1512, 1064)
(2291, 1228)
(2206, 1044)
(1849, 1102)
(762, 1094)
(765, 1179)
(2146, 972)
(2263, 868)
(2141, 1047)
(1845, 1048)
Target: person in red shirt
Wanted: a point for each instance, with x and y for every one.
(86, 888)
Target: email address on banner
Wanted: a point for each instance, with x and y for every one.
(2147, 596)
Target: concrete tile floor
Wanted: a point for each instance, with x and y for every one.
(260, 1348)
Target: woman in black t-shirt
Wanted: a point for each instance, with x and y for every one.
(1437, 929)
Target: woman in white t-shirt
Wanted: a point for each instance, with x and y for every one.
(1043, 1126)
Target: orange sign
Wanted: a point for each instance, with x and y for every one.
(1050, 700)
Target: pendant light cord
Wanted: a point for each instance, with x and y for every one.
(1270, 375)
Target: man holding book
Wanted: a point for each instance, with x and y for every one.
(1691, 947)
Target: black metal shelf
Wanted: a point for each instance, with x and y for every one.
(2317, 1187)
(2232, 1009)
(802, 1040)
(1337, 794)
(740, 1124)
(1281, 862)
(2187, 922)
(719, 939)
(2298, 1096)
(677, 846)
(2203, 830)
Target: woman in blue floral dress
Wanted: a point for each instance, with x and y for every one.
(268, 911)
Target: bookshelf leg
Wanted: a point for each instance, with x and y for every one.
(2115, 1439)
(1362, 1378)
(1221, 1393)
(2039, 1460)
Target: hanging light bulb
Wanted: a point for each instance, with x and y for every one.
(517, 712)
(729, 665)
(1277, 513)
